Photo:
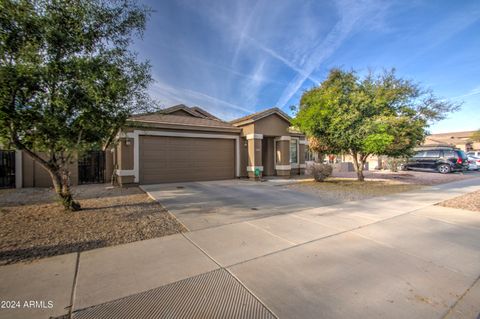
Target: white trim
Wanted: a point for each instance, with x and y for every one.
(302, 142)
(302, 165)
(294, 165)
(125, 172)
(136, 147)
(18, 169)
(253, 168)
(220, 128)
(283, 138)
(283, 167)
(136, 156)
(254, 136)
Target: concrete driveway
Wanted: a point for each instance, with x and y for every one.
(200, 205)
(398, 256)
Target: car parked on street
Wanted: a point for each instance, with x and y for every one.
(473, 153)
(473, 163)
(443, 160)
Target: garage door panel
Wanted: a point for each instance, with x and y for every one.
(178, 159)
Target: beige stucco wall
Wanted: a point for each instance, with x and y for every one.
(301, 153)
(34, 175)
(254, 155)
(108, 165)
(272, 125)
(125, 154)
(248, 129)
(283, 152)
(243, 157)
(254, 152)
(125, 180)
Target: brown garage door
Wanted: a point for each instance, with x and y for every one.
(180, 159)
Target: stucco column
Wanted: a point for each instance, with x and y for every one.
(108, 165)
(254, 155)
(282, 156)
(125, 161)
(301, 155)
(18, 169)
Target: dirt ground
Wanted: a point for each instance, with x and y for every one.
(470, 201)
(343, 189)
(34, 225)
(413, 177)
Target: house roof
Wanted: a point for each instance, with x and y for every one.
(259, 115)
(198, 118)
(204, 113)
(453, 135)
(180, 107)
(451, 138)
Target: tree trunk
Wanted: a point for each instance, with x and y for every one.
(59, 174)
(359, 164)
(61, 183)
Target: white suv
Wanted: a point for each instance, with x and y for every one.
(473, 153)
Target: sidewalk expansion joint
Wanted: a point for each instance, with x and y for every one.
(449, 311)
(74, 286)
(231, 274)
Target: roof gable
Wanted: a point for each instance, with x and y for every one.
(181, 110)
(260, 115)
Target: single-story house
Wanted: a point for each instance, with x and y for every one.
(462, 140)
(183, 143)
(179, 144)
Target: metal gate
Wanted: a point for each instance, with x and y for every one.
(7, 169)
(91, 168)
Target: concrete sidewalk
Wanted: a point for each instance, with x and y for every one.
(396, 256)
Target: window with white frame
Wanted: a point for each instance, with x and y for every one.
(293, 151)
(309, 154)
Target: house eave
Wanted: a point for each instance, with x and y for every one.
(155, 124)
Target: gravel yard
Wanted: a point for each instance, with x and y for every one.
(413, 177)
(34, 225)
(342, 189)
(470, 201)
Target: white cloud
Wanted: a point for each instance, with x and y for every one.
(352, 14)
(472, 92)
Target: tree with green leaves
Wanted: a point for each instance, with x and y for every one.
(68, 78)
(378, 114)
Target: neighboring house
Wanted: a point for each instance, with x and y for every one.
(461, 140)
(181, 143)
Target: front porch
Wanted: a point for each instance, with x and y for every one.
(275, 156)
(273, 147)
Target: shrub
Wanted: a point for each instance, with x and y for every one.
(394, 163)
(319, 171)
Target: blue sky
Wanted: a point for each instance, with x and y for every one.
(237, 57)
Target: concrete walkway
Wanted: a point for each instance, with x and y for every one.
(397, 257)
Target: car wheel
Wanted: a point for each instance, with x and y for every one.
(444, 169)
